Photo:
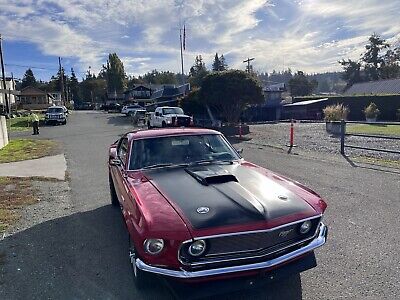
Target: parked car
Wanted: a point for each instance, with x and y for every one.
(167, 116)
(112, 107)
(196, 210)
(55, 115)
(139, 116)
(128, 110)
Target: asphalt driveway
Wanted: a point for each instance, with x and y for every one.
(84, 255)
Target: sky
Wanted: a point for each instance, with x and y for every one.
(307, 35)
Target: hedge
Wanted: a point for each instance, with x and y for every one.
(387, 105)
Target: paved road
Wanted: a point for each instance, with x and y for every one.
(83, 255)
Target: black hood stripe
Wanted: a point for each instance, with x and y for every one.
(253, 197)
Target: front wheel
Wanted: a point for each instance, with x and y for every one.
(164, 124)
(149, 126)
(140, 278)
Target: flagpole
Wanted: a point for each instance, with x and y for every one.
(181, 44)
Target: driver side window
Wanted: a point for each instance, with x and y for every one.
(123, 151)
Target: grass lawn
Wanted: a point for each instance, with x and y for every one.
(21, 123)
(373, 129)
(23, 149)
(15, 194)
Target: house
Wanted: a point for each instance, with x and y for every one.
(140, 94)
(114, 97)
(379, 87)
(270, 109)
(169, 95)
(34, 98)
(10, 90)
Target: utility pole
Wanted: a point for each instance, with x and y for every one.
(248, 60)
(4, 77)
(61, 81)
(181, 44)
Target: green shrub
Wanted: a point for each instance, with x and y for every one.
(336, 112)
(371, 111)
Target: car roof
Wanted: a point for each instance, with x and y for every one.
(162, 132)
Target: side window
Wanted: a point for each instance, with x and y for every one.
(123, 150)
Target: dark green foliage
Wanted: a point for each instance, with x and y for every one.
(191, 103)
(116, 74)
(299, 85)
(387, 105)
(197, 72)
(230, 92)
(219, 63)
(28, 79)
(352, 72)
(159, 77)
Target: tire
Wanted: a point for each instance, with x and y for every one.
(65, 122)
(148, 125)
(164, 124)
(113, 194)
(141, 279)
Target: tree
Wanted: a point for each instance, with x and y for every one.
(74, 86)
(115, 74)
(352, 72)
(223, 65)
(230, 92)
(197, 72)
(28, 79)
(299, 85)
(219, 63)
(373, 58)
(156, 77)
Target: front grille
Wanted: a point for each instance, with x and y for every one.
(183, 121)
(249, 245)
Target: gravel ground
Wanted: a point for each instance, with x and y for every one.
(313, 137)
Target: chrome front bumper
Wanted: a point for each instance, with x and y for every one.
(314, 244)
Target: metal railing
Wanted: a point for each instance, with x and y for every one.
(343, 135)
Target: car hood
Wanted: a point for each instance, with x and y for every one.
(177, 115)
(217, 195)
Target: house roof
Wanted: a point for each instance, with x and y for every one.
(170, 91)
(32, 91)
(379, 87)
(308, 102)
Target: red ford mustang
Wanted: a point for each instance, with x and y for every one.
(196, 210)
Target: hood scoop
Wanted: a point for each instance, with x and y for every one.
(213, 175)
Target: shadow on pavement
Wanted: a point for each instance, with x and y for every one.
(84, 256)
(371, 166)
(118, 119)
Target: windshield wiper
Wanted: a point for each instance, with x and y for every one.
(210, 161)
(164, 165)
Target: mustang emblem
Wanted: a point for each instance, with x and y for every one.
(203, 210)
(285, 233)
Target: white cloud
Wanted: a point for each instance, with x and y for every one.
(311, 35)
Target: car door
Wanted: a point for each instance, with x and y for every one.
(119, 171)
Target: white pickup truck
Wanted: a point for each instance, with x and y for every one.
(167, 116)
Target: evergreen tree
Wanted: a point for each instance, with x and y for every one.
(299, 85)
(115, 74)
(216, 66)
(28, 79)
(197, 72)
(223, 65)
(373, 58)
(74, 86)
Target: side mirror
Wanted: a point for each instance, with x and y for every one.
(240, 151)
(157, 113)
(115, 162)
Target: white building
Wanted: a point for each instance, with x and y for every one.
(10, 89)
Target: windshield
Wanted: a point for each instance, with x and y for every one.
(172, 110)
(140, 112)
(176, 150)
(55, 110)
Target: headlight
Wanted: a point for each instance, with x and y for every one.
(169, 121)
(305, 227)
(197, 248)
(153, 246)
